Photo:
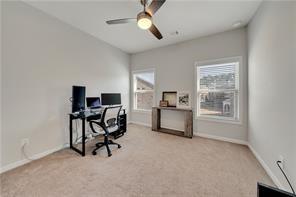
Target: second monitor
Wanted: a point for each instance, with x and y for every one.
(111, 98)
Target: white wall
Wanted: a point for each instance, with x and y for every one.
(0, 87)
(42, 59)
(272, 86)
(174, 67)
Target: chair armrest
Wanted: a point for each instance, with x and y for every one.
(94, 121)
(91, 122)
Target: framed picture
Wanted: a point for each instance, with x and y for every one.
(171, 97)
(183, 99)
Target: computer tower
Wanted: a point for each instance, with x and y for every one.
(78, 98)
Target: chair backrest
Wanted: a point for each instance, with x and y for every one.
(110, 116)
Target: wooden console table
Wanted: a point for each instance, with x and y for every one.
(188, 123)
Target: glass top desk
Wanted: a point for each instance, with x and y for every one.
(83, 116)
(88, 115)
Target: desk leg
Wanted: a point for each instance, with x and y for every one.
(83, 137)
(81, 152)
(71, 132)
(188, 124)
(155, 119)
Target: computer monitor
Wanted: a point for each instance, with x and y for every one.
(111, 98)
(268, 191)
(78, 98)
(93, 102)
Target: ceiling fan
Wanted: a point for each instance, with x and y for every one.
(144, 18)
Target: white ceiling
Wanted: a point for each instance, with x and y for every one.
(191, 19)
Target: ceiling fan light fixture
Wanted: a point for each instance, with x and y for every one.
(144, 20)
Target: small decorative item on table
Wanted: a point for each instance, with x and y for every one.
(163, 103)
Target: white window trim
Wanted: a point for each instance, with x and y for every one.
(238, 90)
(133, 90)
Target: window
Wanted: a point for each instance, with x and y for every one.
(218, 89)
(143, 83)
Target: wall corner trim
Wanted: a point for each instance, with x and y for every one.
(266, 168)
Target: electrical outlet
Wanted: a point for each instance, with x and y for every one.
(281, 159)
(25, 141)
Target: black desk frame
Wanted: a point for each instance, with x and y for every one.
(82, 118)
(90, 116)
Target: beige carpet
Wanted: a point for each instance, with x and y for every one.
(148, 164)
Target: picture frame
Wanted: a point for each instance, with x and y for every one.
(183, 99)
(163, 103)
(171, 97)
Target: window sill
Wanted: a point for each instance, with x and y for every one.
(219, 120)
(142, 111)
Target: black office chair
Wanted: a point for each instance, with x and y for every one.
(109, 122)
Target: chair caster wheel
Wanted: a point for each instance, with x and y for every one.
(119, 146)
(94, 153)
(109, 155)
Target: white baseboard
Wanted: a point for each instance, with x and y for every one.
(148, 125)
(139, 123)
(258, 157)
(235, 141)
(266, 168)
(204, 135)
(25, 161)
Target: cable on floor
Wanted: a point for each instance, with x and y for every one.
(278, 164)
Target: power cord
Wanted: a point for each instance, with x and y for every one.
(25, 154)
(78, 140)
(76, 131)
(278, 164)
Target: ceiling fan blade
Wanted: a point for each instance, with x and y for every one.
(121, 21)
(153, 29)
(154, 6)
